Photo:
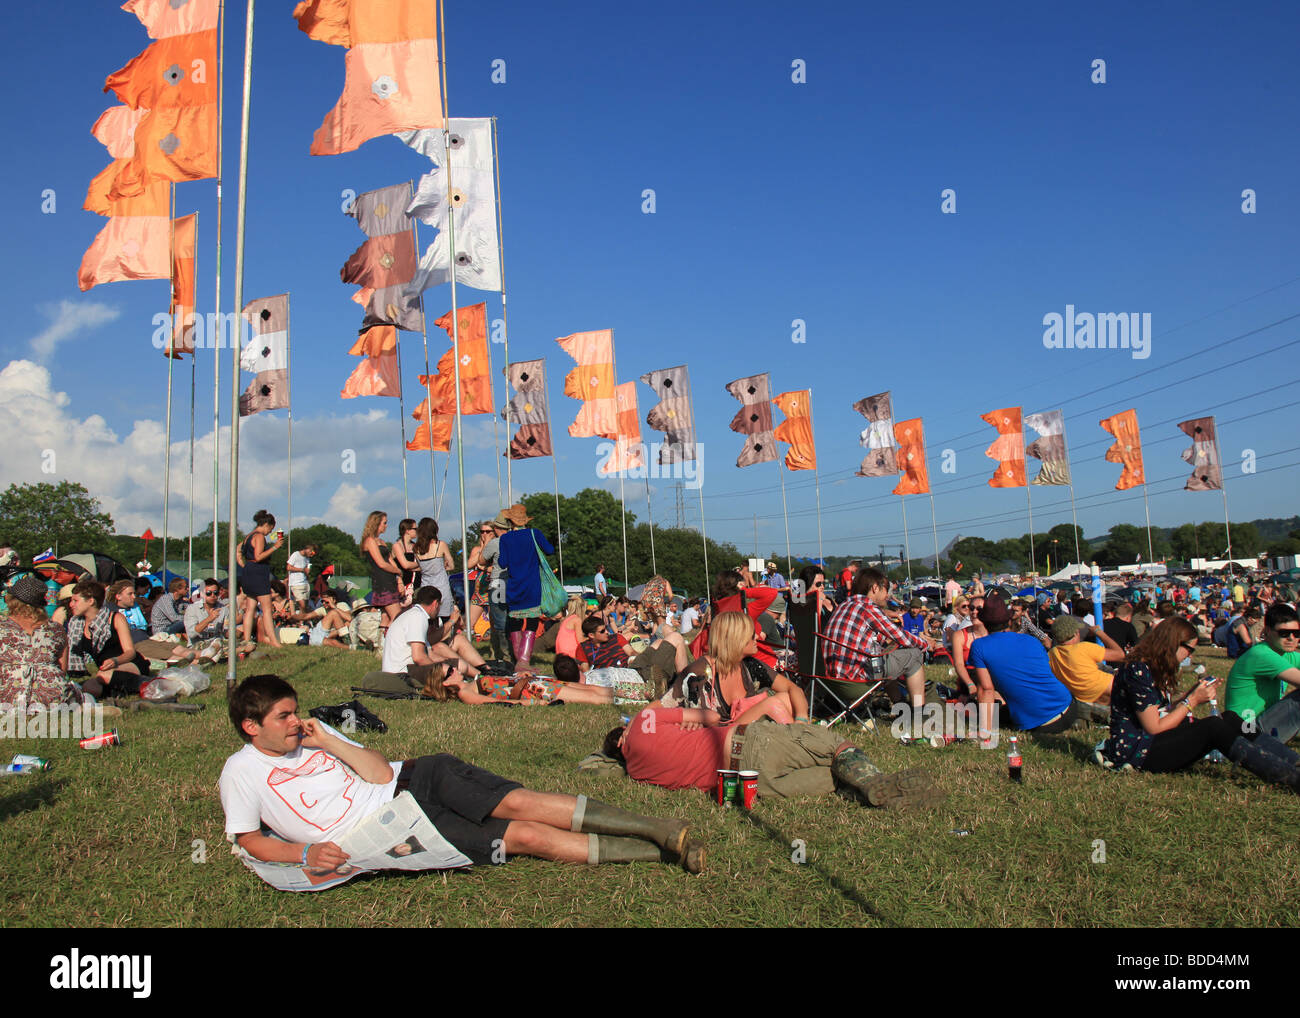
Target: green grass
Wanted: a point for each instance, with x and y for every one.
(107, 837)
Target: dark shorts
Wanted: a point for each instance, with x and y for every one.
(383, 598)
(458, 798)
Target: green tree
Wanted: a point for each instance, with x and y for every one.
(39, 516)
(1124, 545)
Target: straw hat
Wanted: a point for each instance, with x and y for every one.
(518, 515)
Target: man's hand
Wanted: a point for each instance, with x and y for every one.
(325, 855)
(313, 735)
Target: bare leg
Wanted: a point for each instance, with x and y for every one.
(250, 609)
(916, 696)
(268, 634)
(539, 807)
(524, 837)
(466, 650)
(574, 693)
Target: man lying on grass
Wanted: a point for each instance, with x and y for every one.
(686, 747)
(310, 785)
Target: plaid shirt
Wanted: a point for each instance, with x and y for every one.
(1029, 629)
(862, 626)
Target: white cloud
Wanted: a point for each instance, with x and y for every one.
(343, 465)
(66, 320)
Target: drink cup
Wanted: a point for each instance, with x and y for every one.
(748, 788)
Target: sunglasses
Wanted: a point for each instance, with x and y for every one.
(1288, 634)
(1189, 647)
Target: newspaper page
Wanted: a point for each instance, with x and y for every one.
(398, 836)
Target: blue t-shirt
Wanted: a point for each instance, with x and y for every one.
(914, 624)
(1018, 666)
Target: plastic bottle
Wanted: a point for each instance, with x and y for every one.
(1214, 756)
(1015, 763)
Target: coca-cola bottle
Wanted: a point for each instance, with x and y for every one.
(1014, 761)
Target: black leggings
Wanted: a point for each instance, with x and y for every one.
(1183, 746)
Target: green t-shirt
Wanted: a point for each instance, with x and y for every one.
(1253, 683)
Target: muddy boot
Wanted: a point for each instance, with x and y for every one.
(887, 791)
(603, 848)
(591, 817)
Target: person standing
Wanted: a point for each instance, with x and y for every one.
(519, 558)
(602, 588)
(434, 560)
(385, 575)
(299, 569)
(255, 578)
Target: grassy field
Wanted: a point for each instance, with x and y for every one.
(115, 837)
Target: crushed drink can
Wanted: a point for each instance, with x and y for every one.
(109, 738)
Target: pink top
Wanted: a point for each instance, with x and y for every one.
(566, 641)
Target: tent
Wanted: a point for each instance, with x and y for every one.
(78, 565)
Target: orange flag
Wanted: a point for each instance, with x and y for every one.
(910, 436)
(475, 381)
(163, 18)
(1127, 449)
(373, 342)
(628, 453)
(592, 381)
(391, 68)
(374, 376)
(442, 424)
(1008, 448)
(182, 306)
(180, 70)
(797, 429)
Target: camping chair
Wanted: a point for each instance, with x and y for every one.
(848, 695)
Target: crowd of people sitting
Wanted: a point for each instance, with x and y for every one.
(714, 682)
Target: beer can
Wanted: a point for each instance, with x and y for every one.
(109, 738)
(31, 763)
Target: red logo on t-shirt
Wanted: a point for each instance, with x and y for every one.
(305, 798)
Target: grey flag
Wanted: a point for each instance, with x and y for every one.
(269, 390)
(673, 414)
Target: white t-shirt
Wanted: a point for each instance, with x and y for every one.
(412, 626)
(299, 561)
(689, 618)
(305, 796)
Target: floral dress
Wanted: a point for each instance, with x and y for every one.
(1132, 692)
(30, 675)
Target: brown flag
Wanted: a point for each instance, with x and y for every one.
(385, 264)
(754, 419)
(1207, 468)
(528, 409)
(881, 461)
(673, 414)
(268, 391)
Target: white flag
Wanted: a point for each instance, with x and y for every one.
(267, 352)
(473, 197)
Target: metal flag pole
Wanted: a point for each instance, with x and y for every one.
(428, 378)
(171, 361)
(1146, 504)
(455, 323)
(401, 414)
(907, 545)
(1033, 565)
(288, 398)
(627, 577)
(217, 332)
(194, 364)
(1078, 556)
(232, 644)
(654, 567)
(785, 512)
(505, 330)
(934, 527)
(1223, 490)
(704, 537)
(817, 481)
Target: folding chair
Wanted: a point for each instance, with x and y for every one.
(847, 694)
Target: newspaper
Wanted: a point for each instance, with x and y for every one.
(396, 837)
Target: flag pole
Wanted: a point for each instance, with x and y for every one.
(934, 527)
(455, 317)
(428, 379)
(288, 398)
(1033, 565)
(654, 567)
(817, 480)
(194, 364)
(1078, 556)
(555, 475)
(171, 361)
(232, 644)
(785, 512)
(627, 578)
(216, 345)
(907, 544)
(401, 414)
(704, 538)
(505, 336)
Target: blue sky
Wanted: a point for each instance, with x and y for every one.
(775, 201)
